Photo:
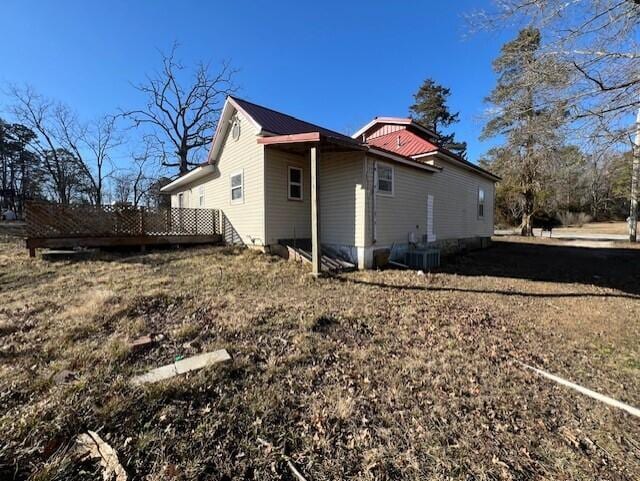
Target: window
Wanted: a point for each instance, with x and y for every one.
(384, 184)
(237, 188)
(180, 201)
(235, 129)
(480, 203)
(295, 183)
(201, 196)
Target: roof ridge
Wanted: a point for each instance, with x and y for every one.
(286, 115)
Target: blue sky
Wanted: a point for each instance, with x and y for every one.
(334, 63)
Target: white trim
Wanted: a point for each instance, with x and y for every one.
(201, 196)
(299, 184)
(443, 156)
(392, 121)
(241, 187)
(401, 160)
(229, 109)
(377, 178)
(195, 174)
(480, 202)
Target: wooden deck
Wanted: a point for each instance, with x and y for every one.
(59, 226)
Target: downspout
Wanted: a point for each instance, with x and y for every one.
(374, 210)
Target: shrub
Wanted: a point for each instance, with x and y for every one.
(568, 218)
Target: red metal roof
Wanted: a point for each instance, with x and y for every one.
(278, 123)
(403, 142)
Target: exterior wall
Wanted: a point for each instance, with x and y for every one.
(456, 203)
(285, 218)
(342, 200)
(455, 209)
(247, 218)
(384, 129)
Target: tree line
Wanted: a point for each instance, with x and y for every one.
(565, 111)
(47, 152)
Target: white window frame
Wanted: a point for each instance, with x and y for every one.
(201, 196)
(240, 200)
(181, 200)
(290, 183)
(481, 202)
(393, 179)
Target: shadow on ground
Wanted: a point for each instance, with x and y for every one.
(614, 268)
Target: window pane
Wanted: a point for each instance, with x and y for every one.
(384, 173)
(385, 185)
(236, 180)
(481, 195)
(295, 175)
(295, 191)
(236, 193)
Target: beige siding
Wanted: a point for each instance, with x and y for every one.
(342, 198)
(455, 192)
(286, 219)
(383, 129)
(244, 154)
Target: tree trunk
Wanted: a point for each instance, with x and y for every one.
(635, 180)
(184, 164)
(526, 226)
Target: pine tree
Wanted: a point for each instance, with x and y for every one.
(431, 110)
(527, 115)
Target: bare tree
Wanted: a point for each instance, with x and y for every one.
(134, 183)
(71, 150)
(121, 192)
(600, 39)
(92, 144)
(183, 114)
(61, 167)
(142, 179)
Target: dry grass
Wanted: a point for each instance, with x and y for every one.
(373, 375)
(596, 228)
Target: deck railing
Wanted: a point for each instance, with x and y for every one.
(57, 221)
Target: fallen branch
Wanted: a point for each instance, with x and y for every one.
(295, 472)
(270, 447)
(91, 444)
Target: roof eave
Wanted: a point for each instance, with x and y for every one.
(474, 168)
(393, 121)
(403, 160)
(189, 177)
(223, 124)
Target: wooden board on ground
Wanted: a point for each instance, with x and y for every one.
(181, 367)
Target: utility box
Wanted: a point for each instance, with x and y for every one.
(423, 259)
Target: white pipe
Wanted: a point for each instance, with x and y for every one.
(588, 392)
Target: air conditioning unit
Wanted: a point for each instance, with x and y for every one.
(423, 259)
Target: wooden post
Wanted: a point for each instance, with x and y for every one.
(142, 221)
(635, 184)
(316, 255)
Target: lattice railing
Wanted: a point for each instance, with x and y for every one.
(52, 221)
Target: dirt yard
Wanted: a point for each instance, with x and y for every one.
(620, 228)
(371, 375)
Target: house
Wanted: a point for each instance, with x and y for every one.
(278, 179)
